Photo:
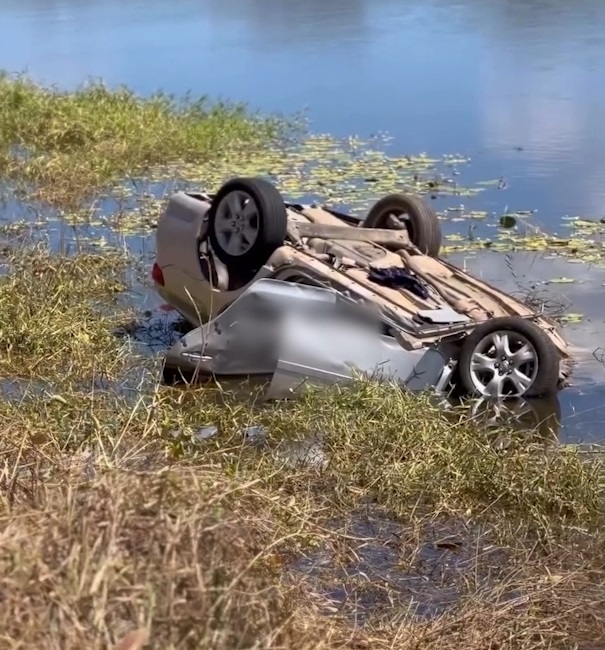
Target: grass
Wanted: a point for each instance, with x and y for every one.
(117, 522)
(66, 146)
(187, 551)
(115, 517)
(65, 328)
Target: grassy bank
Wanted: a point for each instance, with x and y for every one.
(116, 515)
(69, 145)
(415, 531)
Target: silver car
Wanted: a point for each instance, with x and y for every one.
(299, 293)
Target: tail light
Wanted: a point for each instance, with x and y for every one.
(156, 274)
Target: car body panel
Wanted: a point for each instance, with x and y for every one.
(296, 334)
(336, 350)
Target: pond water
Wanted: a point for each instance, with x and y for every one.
(518, 87)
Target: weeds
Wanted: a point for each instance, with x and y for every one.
(67, 145)
(57, 313)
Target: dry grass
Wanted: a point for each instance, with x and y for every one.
(186, 552)
(68, 145)
(114, 517)
(106, 527)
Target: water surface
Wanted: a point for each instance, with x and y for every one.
(518, 86)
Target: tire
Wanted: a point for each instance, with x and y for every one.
(422, 224)
(543, 372)
(270, 223)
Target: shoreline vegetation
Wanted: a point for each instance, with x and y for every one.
(120, 511)
(67, 145)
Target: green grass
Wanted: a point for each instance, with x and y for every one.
(68, 145)
(114, 517)
(57, 314)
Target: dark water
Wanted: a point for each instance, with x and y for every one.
(518, 86)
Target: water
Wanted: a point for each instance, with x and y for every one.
(483, 78)
(517, 86)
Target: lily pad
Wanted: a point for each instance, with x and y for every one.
(571, 318)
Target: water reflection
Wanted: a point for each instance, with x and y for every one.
(539, 417)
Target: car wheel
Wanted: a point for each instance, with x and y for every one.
(402, 211)
(247, 222)
(508, 357)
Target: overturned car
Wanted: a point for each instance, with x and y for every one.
(298, 293)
